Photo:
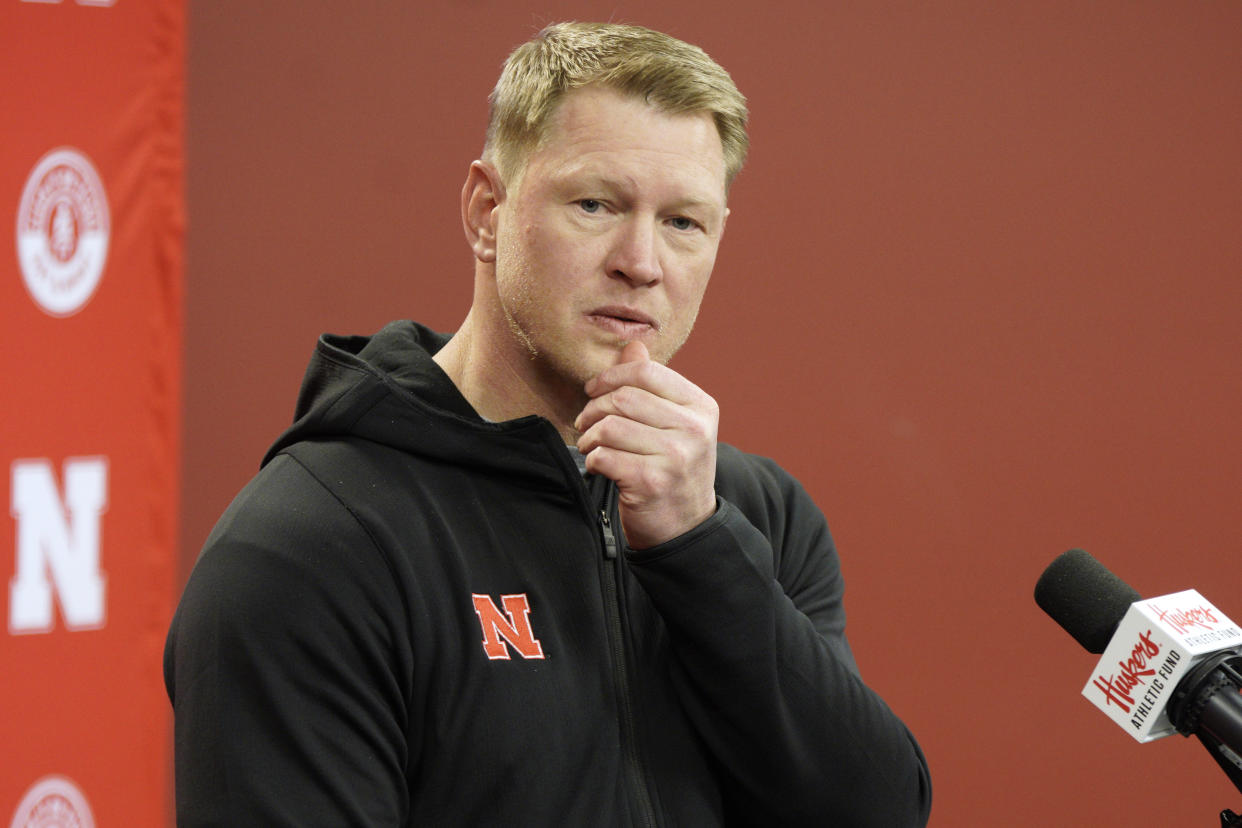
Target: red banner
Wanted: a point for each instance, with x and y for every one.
(91, 167)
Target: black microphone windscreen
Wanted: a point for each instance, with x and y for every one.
(1085, 598)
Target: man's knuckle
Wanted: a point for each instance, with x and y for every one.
(623, 398)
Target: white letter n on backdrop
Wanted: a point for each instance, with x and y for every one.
(58, 544)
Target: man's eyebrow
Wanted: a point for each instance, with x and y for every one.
(696, 202)
(575, 178)
(579, 181)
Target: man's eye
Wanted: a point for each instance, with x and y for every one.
(589, 205)
(683, 223)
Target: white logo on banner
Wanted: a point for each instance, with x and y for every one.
(62, 231)
(58, 537)
(53, 802)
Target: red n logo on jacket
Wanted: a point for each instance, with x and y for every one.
(497, 629)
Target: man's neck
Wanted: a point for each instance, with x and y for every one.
(498, 381)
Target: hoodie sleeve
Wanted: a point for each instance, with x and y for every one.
(764, 670)
(288, 579)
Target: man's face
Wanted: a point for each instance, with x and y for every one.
(611, 233)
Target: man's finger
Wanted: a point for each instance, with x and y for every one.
(646, 374)
(624, 435)
(634, 351)
(636, 404)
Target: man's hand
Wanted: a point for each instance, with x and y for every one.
(652, 432)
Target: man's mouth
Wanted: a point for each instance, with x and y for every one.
(626, 321)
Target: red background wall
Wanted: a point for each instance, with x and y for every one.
(980, 291)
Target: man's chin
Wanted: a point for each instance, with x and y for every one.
(572, 367)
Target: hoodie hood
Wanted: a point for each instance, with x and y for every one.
(386, 388)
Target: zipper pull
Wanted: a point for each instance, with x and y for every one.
(610, 540)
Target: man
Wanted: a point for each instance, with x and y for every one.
(509, 577)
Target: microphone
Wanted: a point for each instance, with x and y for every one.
(1085, 598)
(1171, 664)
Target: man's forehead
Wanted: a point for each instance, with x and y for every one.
(596, 131)
(596, 98)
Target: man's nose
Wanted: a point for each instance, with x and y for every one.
(635, 254)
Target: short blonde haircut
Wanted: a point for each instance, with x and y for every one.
(674, 76)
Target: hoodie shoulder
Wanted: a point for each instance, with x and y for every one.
(386, 390)
(778, 506)
(349, 375)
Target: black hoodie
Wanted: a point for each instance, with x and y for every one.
(412, 616)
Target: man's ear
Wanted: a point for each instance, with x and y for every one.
(481, 195)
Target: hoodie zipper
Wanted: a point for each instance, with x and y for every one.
(632, 765)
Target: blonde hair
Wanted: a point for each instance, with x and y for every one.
(674, 76)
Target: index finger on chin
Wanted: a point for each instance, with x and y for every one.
(648, 375)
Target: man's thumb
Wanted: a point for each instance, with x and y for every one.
(633, 352)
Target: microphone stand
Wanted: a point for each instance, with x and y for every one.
(1208, 704)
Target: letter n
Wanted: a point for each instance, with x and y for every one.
(497, 629)
(57, 544)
